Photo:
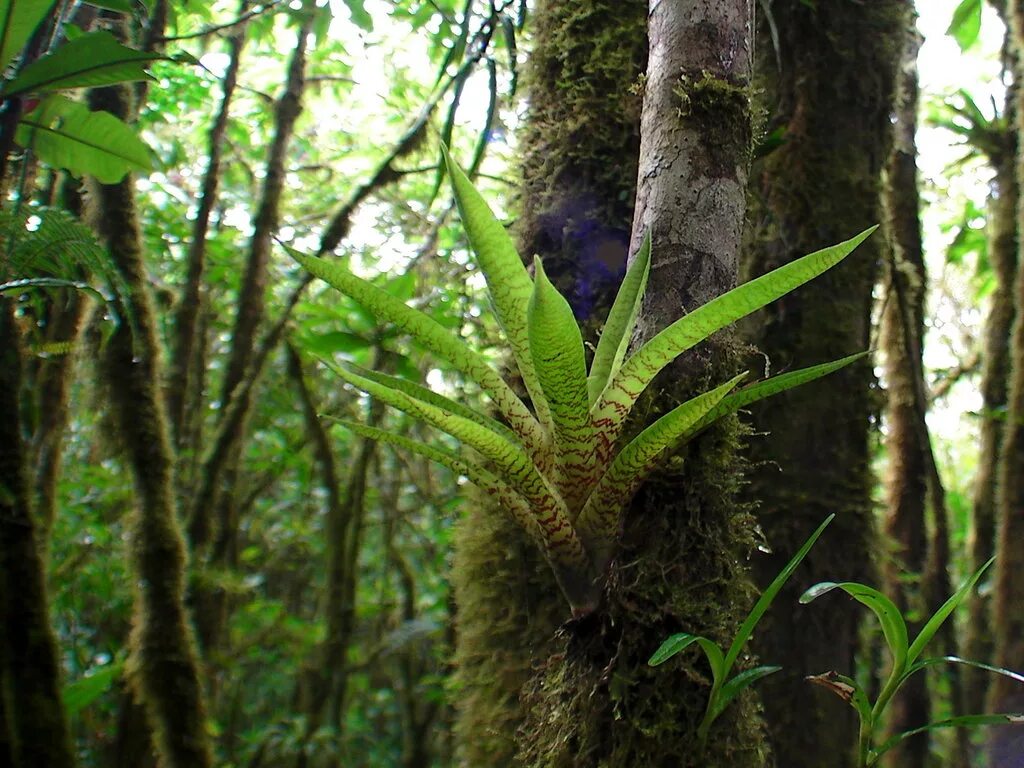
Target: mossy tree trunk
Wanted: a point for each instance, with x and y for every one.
(1008, 602)
(596, 701)
(580, 144)
(163, 665)
(1001, 150)
(35, 731)
(829, 86)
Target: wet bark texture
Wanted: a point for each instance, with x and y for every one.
(1008, 603)
(163, 663)
(830, 86)
(34, 730)
(580, 144)
(1002, 204)
(596, 702)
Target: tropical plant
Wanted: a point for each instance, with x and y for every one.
(724, 689)
(556, 469)
(906, 661)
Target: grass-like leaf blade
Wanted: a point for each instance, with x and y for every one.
(939, 617)
(963, 721)
(614, 341)
(738, 684)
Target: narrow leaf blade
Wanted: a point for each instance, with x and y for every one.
(963, 721)
(932, 625)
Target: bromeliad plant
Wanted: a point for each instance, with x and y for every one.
(556, 469)
(906, 661)
(723, 688)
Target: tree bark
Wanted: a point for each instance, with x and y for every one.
(580, 149)
(35, 732)
(596, 701)
(995, 372)
(163, 665)
(1008, 602)
(830, 87)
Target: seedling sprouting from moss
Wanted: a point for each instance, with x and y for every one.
(724, 689)
(906, 661)
(558, 470)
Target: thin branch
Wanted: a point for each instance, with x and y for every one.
(207, 31)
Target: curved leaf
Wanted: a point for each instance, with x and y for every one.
(847, 689)
(640, 369)
(683, 640)
(737, 685)
(939, 617)
(67, 134)
(560, 540)
(618, 329)
(80, 694)
(482, 478)
(508, 282)
(765, 601)
(919, 665)
(437, 339)
(963, 721)
(558, 357)
(598, 522)
(18, 19)
(93, 59)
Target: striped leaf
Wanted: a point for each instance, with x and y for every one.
(558, 357)
(618, 329)
(482, 478)
(437, 339)
(640, 369)
(508, 282)
(599, 521)
(513, 464)
(767, 388)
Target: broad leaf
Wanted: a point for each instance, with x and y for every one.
(618, 329)
(558, 357)
(81, 693)
(640, 369)
(598, 522)
(966, 23)
(932, 626)
(437, 339)
(508, 282)
(67, 134)
(18, 19)
(88, 61)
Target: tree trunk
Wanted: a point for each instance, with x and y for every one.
(830, 86)
(164, 666)
(35, 729)
(995, 372)
(596, 701)
(1008, 603)
(580, 144)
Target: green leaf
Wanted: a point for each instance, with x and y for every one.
(558, 357)
(508, 282)
(847, 689)
(963, 721)
(489, 483)
(91, 60)
(324, 344)
(683, 640)
(123, 6)
(437, 339)
(81, 693)
(769, 387)
(514, 464)
(919, 665)
(764, 602)
(614, 341)
(66, 134)
(894, 628)
(360, 16)
(18, 20)
(737, 685)
(932, 626)
(598, 522)
(966, 23)
(640, 369)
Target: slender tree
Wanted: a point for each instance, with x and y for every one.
(828, 80)
(1008, 603)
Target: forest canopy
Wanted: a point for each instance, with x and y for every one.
(581, 383)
